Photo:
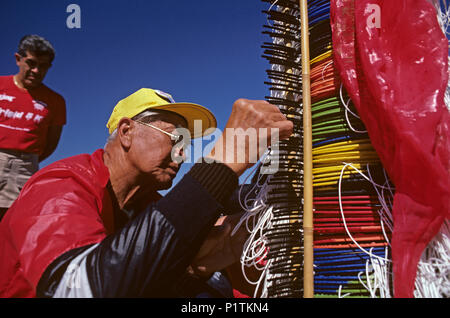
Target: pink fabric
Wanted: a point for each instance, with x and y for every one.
(392, 57)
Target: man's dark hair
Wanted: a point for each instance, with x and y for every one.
(36, 45)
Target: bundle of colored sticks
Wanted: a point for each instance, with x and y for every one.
(328, 180)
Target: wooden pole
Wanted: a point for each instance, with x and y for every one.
(308, 278)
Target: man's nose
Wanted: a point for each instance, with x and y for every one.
(36, 71)
(179, 155)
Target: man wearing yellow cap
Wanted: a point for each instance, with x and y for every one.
(95, 226)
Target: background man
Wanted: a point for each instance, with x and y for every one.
(31, 118)
(95, 226)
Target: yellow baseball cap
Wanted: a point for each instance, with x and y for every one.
(147, 98)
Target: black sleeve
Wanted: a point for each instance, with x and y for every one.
(150, 254)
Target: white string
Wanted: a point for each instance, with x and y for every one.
(365, 177)
(324, 68)
(377, 277)
(340, 291)
(376, 274)
(347, 110)
(346, 103)
(385, 211)
(245, 205)
(433, 275)
(349, 123)
(433, 270)
(257, 217)
(255, 249)
(443, 13)
(342, 210)
(270, 9)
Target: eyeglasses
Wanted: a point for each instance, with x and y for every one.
(175, 137)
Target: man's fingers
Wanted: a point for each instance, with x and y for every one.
(276, 116)
(250, 116)
(285, 128)
(273, 114)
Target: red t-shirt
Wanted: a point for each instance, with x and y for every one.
(25, 116)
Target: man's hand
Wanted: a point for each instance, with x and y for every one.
(258, 120)
(220, 249)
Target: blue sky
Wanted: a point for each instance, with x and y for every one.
(202, 51)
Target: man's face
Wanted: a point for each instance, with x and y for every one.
(32, 69)
(152, 152)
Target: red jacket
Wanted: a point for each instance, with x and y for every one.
(66, 207)
(35, 230)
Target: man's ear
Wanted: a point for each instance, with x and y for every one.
(124, 132)
(18, 57)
